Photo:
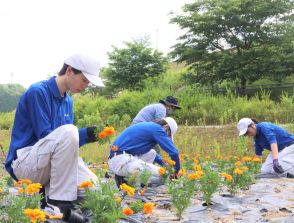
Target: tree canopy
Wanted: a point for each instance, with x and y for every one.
(236, 40)
(131, 65)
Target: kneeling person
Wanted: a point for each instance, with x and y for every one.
(132, 149)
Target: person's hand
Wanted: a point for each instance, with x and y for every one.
(91, 134)
(173, 176)
(277, 167)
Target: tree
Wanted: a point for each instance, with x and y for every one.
(130, 66)
(236, 40)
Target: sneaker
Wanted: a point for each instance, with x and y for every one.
(52, 212)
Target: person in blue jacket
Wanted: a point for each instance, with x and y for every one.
(271, 137)
(132, 149)
(44, 142)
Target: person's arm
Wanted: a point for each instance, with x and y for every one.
(274, 150)
(275, 153)
(39, 113)
(168, 146)
(158, 159)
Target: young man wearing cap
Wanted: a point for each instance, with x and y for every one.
(132, 149)
(275, 139)
(44, 143)
(159, 110)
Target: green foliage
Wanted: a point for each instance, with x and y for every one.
(209, 182)
(236, 40)
(13, 213)
(102, 203)
(6, 120)
(181, 193)
(9, 96)
(137, 206)
(131, 65)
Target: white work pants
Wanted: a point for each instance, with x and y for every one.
(126, 164)
(55, 163)
(286, 160)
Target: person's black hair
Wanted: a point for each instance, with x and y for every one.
(162, 122)
(159, 121)
(63, 70)
(254, 120)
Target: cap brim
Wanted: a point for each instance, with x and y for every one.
(166, 103)
(94, 79)
(242, 132)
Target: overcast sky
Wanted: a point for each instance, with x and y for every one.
(37, 35)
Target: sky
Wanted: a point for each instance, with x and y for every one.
(37, 35)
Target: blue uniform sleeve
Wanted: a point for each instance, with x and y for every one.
(39, 113)
(82, 136)
(158, 159)
(168, 146)
(258, 150)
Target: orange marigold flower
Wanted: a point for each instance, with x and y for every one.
(102, 135)
(182, 172)
(197, 167)
(1, 190)
(219, 157)
(200, 173)
(182, 160)
(35, 214)
(227, 177)
(130, 190)
(197, 155)
(196, 161)
(165, 159)
(109, 131)
(114, 148)
(33, 188)
(171, 162)
(161, 171)
(20, 190)
(256, 160)
(246, 159)
(148, 207)
(128, 211)
(193, 176)
(86, 184)
(22, 181)
(238, 171)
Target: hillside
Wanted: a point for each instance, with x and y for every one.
(9, 96)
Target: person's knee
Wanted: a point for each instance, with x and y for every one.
(153, 153)
(70, 132)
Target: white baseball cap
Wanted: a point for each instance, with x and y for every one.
(88, 66)
(172, 125)
(243, 125)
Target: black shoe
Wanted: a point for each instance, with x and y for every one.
(74, 217)
(119, 180)
(290, 175)
(63, 206)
